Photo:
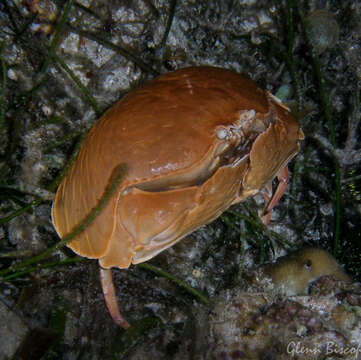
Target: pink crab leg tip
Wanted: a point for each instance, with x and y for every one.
(283, 178)
(107, 284)
(266, 219)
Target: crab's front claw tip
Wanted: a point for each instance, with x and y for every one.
(107, 284)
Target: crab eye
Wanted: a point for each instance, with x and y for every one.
(221, 133)
(308, 264)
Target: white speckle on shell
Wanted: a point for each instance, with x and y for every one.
(189, 86)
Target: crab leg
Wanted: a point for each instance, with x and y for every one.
(107, 284)
(283, 177)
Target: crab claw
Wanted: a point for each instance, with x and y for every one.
(107, 284)
(272, 200)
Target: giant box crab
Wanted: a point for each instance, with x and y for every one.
(195, 141)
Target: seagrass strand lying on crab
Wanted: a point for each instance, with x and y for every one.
(195, 141)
